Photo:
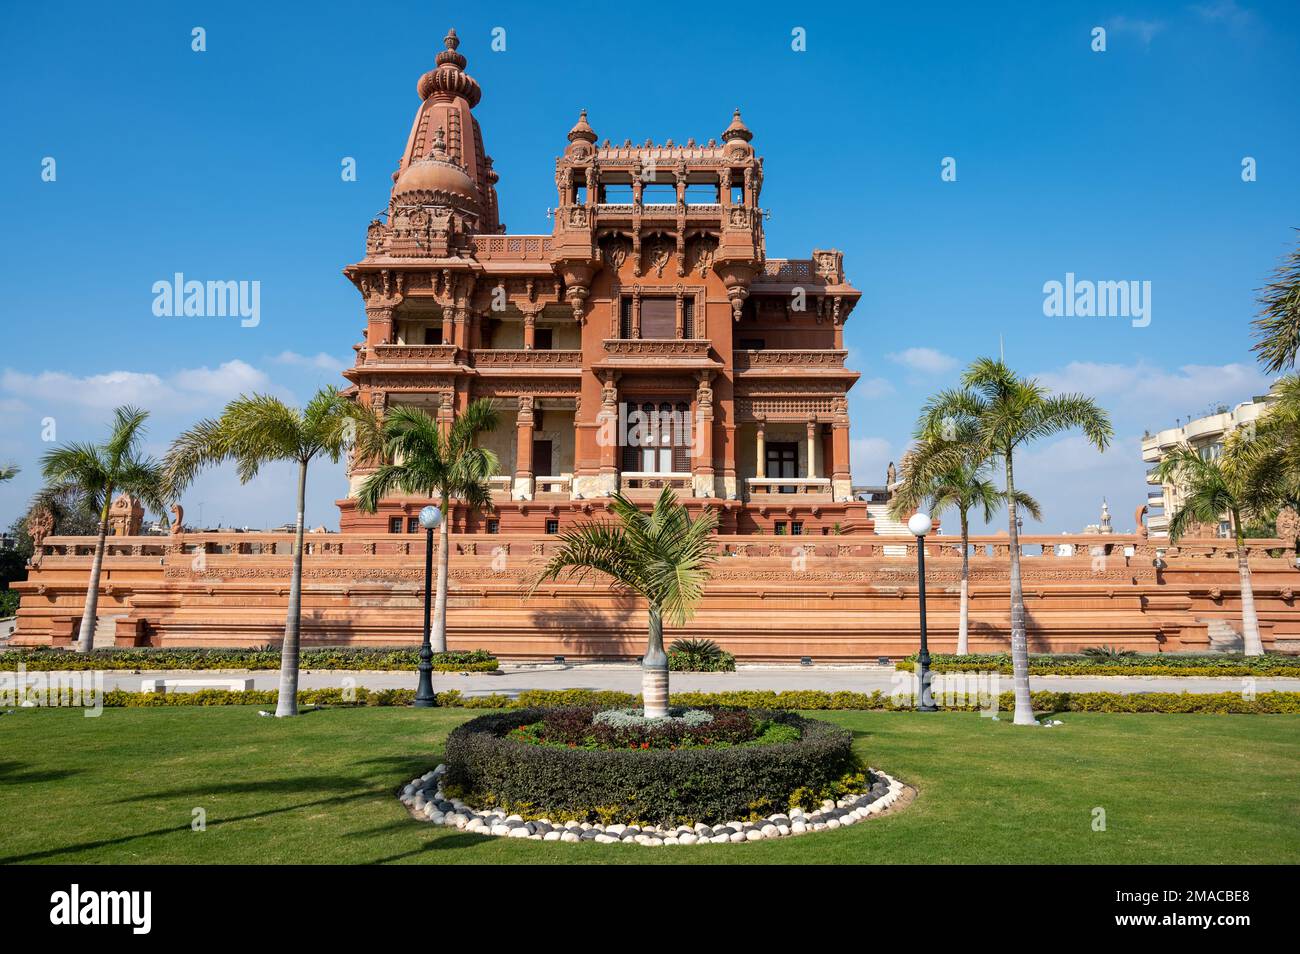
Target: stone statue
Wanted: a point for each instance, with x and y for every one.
(891, 475)
(178, 518)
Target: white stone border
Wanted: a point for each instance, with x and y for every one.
(424, 798)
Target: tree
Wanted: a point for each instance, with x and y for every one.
(995, 411)
(1278, 326)
(963, 483)
(254, 431)
(417, 457)
(1212, 486)
(8, 472)
(662, 556)
(96, 472)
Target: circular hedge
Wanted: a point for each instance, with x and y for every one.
(647, 785)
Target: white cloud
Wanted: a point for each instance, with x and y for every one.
(871, 388)
(868, 458)
(924, 360)
(1144, 30)
(1224, 11)
(320, 361)
(1158, 393)
(186, 389)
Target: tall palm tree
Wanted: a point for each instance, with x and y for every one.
(1278, 326)
(255, 430)
(1001, 411)
(1231, 483)
(964, 484)
(662, 556)
(8, 472)
(96, 472)
(419, 458)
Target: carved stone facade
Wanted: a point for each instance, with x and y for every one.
(647, 341)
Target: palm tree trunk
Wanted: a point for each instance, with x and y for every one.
(1252, 644)
(438, 636)
(963, 642)
(1024, 714)
(654, 670)
(86, 635)
(287, 701)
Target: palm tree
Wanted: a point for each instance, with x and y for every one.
(8, 472)
(1278, 326)
(419, 458)
(96, 472)
(260, 429)
(964, 484)
(996, 411)
(662, 556)
(1234, 483)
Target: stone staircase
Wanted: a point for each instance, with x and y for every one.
(106, 629)
(887, 526)
(1224, 638)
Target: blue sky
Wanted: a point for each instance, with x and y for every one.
(1116, 165)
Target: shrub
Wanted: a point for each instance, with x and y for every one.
(662, 786)
(699, 655)
(8, 603)
(1136, 664)
(1107, 652)
(343, 657)
(621, 729)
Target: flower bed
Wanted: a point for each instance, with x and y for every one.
(427, 801)
(488, 766)
(1138, 664)
(149, 659)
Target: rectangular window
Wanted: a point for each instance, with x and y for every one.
(658, 317)
(701, 193)
(779, 528)
(658, 193)
(394, 524)
(782, 461)
(751, 344)
(688, 316)
(494, 526)
(796, 528)
(433, 334)
(542, 339)
(616, 193)
(552, 526)
(412, 524)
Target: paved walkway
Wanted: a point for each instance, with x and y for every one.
(514, 678)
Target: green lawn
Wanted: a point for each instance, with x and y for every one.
(321, 788)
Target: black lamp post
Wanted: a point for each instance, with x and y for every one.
(430, 517)
(920, 524)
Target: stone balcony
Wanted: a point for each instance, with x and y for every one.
(674, 352)
(526, 359)
(776, 489)
(405, 355)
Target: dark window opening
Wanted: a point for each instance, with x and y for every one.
(796, 528)
(779, 528)
(688, 317)
(412, 524)
(752, 344)
(394, 524)
(542, 458)
(552, 526)
(625, 318)
(433, 334)
(494, 526)
(542, 339)
(782, 461)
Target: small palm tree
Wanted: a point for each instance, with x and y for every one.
(254, 431)
(1278, 326)
(96, 472)
(419, 458)
(964, 484)
(662, 556)
(8, 472)
(995, 411)
(1211, 486)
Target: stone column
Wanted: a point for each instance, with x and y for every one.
(379, 325)
(524, 450)
(702, 475)
(530, 329)
(760, 467)
(812, 447)
(840, 470)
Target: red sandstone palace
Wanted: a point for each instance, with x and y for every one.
(647, 341)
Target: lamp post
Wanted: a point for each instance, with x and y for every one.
(430, 518)
(919, 524)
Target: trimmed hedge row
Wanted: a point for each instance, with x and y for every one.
(43, 659)
(659, 786)
(1265, 703)
(1145, 664)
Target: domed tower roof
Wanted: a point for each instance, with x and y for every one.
(737, 129)
(582, 130)
(444, 153)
